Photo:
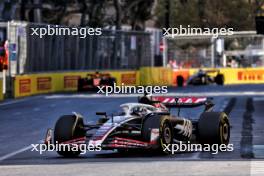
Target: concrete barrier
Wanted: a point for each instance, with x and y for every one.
(155, 76)
(232, 75)
(243, 75)
(32, 84)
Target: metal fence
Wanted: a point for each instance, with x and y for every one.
(242, 49)
(189, 53)
(111, 50)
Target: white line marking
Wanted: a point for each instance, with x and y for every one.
(19, 100)
(12, 102)
(9, 155)
(15, 153)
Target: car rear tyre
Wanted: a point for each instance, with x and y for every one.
(180, 81)
(219, 79)
(67, 128)
(213, 128)
(112, 81)
(80, 85)
(163, 124)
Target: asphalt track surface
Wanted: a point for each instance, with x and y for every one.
(24, 122)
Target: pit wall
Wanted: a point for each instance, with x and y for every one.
(1, 90)
(32, 84)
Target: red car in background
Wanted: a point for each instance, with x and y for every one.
(91, 82)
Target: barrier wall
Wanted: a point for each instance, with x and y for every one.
(1, 90)
(243, 75)
(155, 76)
(32, 84)
(240, 75)
(185, 73)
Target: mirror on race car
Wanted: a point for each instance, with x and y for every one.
(101, 113)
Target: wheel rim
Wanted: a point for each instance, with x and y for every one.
(167, 135)
(225, 131)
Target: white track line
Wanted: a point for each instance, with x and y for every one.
(9, 155)
(12, 102)
(9, 102)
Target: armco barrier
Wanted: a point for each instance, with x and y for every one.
(1, 90)
(156, 76)
(32, 84)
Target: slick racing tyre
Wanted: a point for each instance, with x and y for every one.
(67, 128)
(112, 81)
(163, 124)
(213, 128)
(180, 81)
(80, 85)
(219, 79)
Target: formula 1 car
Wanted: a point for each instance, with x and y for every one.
(146, 125)
(204, 77)
(93, 80)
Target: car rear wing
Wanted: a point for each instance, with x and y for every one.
(184, 102)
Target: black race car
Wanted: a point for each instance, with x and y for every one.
(203, 77)
(145, 125)
(93, 80)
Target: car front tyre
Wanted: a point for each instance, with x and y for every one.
(214, 128)
(67, 128)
